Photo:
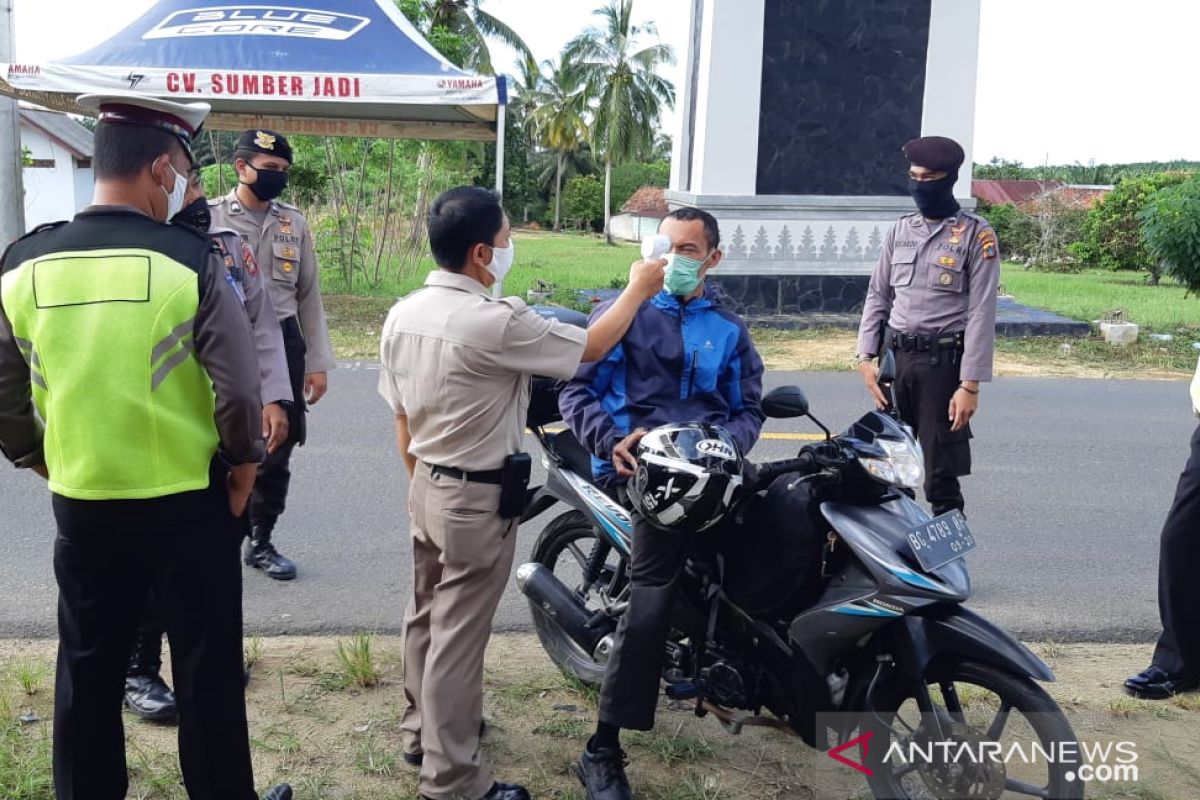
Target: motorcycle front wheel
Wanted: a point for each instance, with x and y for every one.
(975, 705)
(587, 564)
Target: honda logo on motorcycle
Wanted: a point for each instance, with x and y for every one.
(258, 21)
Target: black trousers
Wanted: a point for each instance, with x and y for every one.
(269, 500)
(1178, 650)
(107, 556)
(777, 551)
(923, 393)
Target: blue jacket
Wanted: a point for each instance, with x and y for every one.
(677, 363)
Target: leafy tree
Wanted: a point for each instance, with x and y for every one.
(628, 178)
(461, 30)
(1112, 231)
(583, 200)
(1171, 231)
(621, 74)
(1016, 230)
(557, 108)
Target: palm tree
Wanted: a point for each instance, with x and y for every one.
(621, 75)
(474, 26)
(556, 115)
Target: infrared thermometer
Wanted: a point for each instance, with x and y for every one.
(655, 247)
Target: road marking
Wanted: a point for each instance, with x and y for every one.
(770, 436)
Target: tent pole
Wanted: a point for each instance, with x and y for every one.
(497, 288)
(12, 199)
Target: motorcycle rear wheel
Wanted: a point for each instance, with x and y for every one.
(564, 547)
(980, 692)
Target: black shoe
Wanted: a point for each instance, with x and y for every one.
(280, 792)
(502, 791)
(263, 555)
(602, 773)
(417, 759)
(1155, 683)
(149, 697)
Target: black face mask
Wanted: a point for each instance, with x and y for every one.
(268, 184)
(935, 199)
(195, 215)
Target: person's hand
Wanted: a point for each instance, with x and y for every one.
(870, 372)
(646, 277)
(275, 426)
(240, 484)
(624, 455)
(315, 384)
(963, 406)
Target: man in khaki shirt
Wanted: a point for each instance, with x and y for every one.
(456, 372)
(282, 244)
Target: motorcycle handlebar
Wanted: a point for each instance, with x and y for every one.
(805, 464)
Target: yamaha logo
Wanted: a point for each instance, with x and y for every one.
(302, 23)
(717, 448)
(461, 83)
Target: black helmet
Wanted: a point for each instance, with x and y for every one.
(687, 478)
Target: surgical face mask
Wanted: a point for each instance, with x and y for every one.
(268, 183)
(195, 214)
(935, 199)
(682, 274)
(502, 261)
(176, 195)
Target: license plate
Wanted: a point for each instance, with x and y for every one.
(941, 540)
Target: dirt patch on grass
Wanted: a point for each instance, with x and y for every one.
(335, 741)
(833, 350)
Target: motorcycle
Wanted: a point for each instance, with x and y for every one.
(887, 655)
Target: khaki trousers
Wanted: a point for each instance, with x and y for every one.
(462, 557)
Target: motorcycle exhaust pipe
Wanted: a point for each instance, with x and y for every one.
(590, 630)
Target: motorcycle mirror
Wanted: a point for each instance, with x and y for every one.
(785, 402)
(887, 367)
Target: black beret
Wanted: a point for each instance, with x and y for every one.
(267, 142)
(935, 152)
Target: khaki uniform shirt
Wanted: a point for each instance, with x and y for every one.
(457, 362)
(937, 277)
(283, 247)
(268, 338)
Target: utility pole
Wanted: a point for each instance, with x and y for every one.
(12, 189)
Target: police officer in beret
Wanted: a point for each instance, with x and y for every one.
(932, 300)
(282, 244)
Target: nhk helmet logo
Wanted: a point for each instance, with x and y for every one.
(301, 23)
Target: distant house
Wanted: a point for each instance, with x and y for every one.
(1024, 194)
(641, 214)
(58, 170)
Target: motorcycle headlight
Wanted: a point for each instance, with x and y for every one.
(903, 466)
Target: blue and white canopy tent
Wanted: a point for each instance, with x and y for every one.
(322, 67)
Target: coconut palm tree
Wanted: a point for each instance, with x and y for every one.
(475, 27)
(556, 110)
(620, 71)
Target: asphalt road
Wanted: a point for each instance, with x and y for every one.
(1072, 482)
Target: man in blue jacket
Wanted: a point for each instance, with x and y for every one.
(686, 358)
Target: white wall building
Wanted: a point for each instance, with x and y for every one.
(58, 175)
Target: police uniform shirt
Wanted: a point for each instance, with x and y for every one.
(937, 277)
(457, 362)
(268, 338)
(283, 247)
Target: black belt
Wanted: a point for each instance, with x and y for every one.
(492, 476)
(927, 342)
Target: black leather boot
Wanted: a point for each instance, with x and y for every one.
(280, 792)
(148, 696)
(602, 773)
(261, 554)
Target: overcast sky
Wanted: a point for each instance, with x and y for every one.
(1059, 80)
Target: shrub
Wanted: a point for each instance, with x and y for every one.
(1016, 230)
(583, 201)
(1112, 233)
(1171, 231)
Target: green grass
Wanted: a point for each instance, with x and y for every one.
(1087, 295)
(567, 261)
(356, 660)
